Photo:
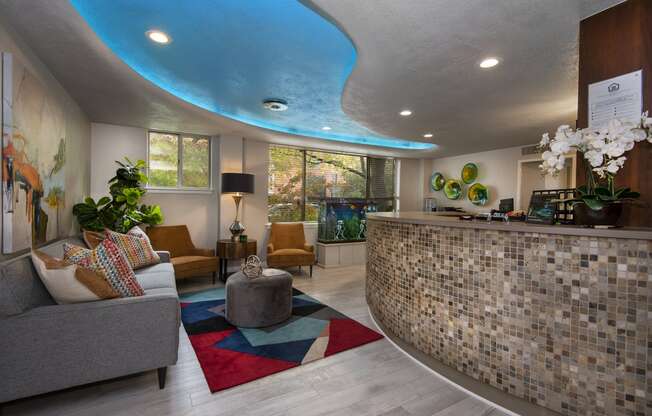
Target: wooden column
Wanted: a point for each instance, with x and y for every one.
(615, 42)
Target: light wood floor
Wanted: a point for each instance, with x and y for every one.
(375, 379)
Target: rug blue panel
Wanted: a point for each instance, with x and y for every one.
(199, 311)
(289, 351)
(227, 56)
(211, 294)
(301, 329)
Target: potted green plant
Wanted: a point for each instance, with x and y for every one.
(598, 202)
(122, 210)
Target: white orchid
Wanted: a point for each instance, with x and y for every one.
(545, 139)
(595, 158)
(602, 147)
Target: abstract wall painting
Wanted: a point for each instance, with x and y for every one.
(33, 159)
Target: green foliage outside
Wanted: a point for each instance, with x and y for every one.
(164, 161)
(328, 175)
(120, 212)
(196, 162)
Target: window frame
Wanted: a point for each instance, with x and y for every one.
(179, 188)
(394, 198)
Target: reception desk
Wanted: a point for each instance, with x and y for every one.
(558, 316)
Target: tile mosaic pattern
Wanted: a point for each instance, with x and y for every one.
(561, 321)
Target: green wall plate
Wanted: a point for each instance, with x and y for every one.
(437, 181)
(453, 189)
(478, 194)
(469, 172)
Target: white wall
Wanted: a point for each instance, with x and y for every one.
(497, 170)
(410, 186)
(77, 125)
(199, 211)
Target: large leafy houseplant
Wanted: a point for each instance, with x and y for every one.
(122, 210)
(603, 149)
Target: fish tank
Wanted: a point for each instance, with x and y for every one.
(343, 220)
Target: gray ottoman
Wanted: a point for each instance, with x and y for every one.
(260, 302)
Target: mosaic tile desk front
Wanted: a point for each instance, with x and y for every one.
(561, 321)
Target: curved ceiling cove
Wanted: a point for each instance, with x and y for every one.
(229, 56)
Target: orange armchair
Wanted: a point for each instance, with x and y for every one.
(287, 247)
(187, 260)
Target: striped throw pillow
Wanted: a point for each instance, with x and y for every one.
(107, 260)
(138, 250)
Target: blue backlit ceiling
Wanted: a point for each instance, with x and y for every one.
(227, 56)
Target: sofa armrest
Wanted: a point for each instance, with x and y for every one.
(309, 247)
(164, 256)
(270, 248)
(60, 346)
(204, 252)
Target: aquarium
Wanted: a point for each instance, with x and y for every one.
(343, 220)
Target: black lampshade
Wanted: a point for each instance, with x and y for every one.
(237, 183)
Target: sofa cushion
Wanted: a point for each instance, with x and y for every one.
(158, 276)
(21, 288)
(288, 236)
(69, 283)
(185, 266)
(290, 257)
(137, 250)
(109, 261)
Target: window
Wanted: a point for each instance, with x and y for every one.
(298, 179)
(179, 161)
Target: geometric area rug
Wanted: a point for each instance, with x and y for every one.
(230, 356)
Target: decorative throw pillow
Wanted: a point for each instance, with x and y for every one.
(92, 238)
(70, 283)
(138, 232)
(107, 260)
(139, 251)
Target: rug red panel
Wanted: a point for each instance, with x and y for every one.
(224, 368)
(346, 334)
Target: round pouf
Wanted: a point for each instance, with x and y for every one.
(259, 302)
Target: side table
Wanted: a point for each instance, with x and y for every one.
(228, 249)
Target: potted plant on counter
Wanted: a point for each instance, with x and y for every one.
(598, 202)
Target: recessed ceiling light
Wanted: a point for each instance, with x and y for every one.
(325, 128)
(275, 104)
(406, 113)
(427, 135)
(489, 63)
(158, 37)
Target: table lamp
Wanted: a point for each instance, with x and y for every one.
(237, 184)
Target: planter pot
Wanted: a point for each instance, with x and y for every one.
(609, 215)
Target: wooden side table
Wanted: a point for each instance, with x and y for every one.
(228, 249)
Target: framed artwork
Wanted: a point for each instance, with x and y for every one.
(542, 209)
(33, 159)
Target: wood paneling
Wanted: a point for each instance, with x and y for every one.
(615, 42)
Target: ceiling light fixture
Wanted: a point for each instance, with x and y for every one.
(275, 104)
(326, 128)
(158, 37)
(406, 113)
(489, 63)
(428, 135)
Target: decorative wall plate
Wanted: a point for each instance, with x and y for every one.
(453, 189)
(469, 172)
(478, 194)
(437, 181)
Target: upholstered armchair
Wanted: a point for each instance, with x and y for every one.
(287, 247)
(188, 260)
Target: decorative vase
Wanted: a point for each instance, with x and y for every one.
(607, 216)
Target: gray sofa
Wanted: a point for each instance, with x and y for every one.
(46, 347)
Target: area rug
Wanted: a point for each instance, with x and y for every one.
(230, 356)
